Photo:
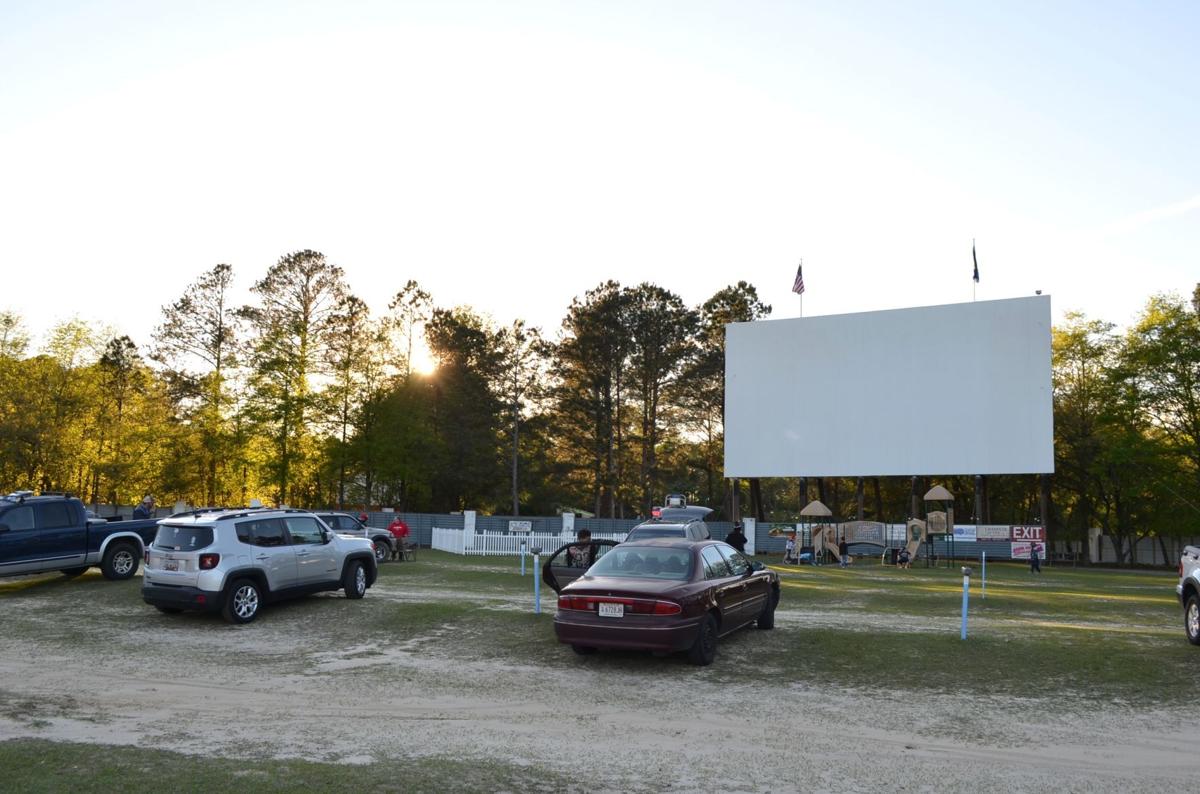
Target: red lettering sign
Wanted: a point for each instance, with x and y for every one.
(1029, 533)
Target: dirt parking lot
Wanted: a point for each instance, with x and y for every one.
(444, 660)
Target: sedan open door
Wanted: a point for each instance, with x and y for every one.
(571, 560)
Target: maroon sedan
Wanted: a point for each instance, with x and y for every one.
(661, 595)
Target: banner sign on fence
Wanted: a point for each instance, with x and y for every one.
(1020, 551)
(1028, 534)
(993, 532)
(520, 526)
(863, 532)
(964, 533)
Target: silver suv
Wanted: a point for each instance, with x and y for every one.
(233, 561)
(674, 522)
(346, 524)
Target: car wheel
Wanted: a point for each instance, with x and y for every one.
(583, 650)
(382, 551)
(169, 610)
(1191, 619)
(120, 562)
(74, 571)
(354, 580)
(766, 618)
(243, 602)
(704, 649)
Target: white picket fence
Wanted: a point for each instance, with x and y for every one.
(459, 541)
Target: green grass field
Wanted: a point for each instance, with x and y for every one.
(1092, 634)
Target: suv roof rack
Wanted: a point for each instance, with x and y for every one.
(236, 512)
(243, 512)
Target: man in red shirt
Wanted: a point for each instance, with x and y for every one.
(401, 533)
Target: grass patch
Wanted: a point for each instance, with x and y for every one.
(1070, 632)
(438, 570)
(33, 766)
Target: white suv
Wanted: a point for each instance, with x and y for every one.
(1188, 591)
(233, 561)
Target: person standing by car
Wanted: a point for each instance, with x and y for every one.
(579, 553)
(145, 509)
(737, 538)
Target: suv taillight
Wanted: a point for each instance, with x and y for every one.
(146, 557)
(209, 561)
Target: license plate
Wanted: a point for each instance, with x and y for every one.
(170, 565)
(612, 610)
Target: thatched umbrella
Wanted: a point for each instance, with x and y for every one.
(816, 518)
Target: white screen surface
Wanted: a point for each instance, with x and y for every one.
(957, 389)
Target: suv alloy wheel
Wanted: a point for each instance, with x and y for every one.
(243, 601)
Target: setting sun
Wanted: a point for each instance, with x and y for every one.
(423, 361)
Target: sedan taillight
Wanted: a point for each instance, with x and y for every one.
(634, 606)
(567, 602)
(209, 561)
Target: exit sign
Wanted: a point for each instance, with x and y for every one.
(1029, 533)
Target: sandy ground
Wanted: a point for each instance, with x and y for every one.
(262, 691)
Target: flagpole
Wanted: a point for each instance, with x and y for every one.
(975, 275)
(798, 285)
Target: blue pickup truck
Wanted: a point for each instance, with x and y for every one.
(54, 533)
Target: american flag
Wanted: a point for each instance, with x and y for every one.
(798, 285)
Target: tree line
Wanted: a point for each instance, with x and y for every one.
(304, 397)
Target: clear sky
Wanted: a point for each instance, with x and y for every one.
(509, 156)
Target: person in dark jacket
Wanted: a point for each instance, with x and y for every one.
(737, 538)
(1035, 562)
(843, 550)
(145, 509)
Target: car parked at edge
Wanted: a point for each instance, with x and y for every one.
(1188, 591)
(234, 561)
(56, 533)
(662, 595)
(346, 524)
